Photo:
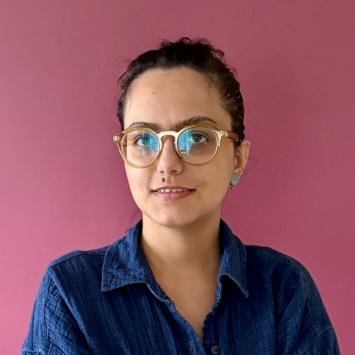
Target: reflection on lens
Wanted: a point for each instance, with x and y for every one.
(140, 147)
(197, 145)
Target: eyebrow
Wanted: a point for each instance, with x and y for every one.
(190, 121)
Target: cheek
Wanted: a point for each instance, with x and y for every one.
(137, 181)
(217, 177)
(219, 183)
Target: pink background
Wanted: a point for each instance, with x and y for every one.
(62, 183)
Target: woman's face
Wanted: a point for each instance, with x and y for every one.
(166, 97)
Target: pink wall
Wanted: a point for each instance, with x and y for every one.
(62, 183)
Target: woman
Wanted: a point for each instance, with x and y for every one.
(180, 282)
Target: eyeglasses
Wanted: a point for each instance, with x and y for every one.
(195, 144)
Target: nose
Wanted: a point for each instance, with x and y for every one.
(169, 160)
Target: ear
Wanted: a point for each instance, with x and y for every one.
(241, 157)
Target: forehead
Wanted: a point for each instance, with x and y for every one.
(165, 97)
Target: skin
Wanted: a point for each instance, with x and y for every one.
(180, 238)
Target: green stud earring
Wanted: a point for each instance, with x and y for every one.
(234, 180)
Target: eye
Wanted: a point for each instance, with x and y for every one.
(142, 139)
(198, 137)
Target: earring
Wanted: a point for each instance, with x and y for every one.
(234, 180)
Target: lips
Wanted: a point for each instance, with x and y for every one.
(172, 193)
(172, 189)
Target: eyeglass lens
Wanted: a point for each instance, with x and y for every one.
(196, 145)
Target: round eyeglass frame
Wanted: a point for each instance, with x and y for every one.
(118, 139)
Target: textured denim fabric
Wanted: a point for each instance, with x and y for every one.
(106, 301)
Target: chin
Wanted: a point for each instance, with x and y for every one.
(181, 217)
(172, 219)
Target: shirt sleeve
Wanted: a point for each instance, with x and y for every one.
(304, 326)
(326, 343)
(53, 329)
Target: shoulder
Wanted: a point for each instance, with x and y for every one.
(276, 266)
(89, 256)
(301, 317)
(67, 280)
(282, 275)
(75, 255)
(75, 271)
(78, 260)
(267, 256)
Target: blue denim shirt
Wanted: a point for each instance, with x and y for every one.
(106, 301)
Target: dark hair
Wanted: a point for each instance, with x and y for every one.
(197, 54)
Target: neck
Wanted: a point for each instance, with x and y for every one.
(185, 248)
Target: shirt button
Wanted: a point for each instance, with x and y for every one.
(214, 349)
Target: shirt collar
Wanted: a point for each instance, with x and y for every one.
(233, 258)
(125, 263)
